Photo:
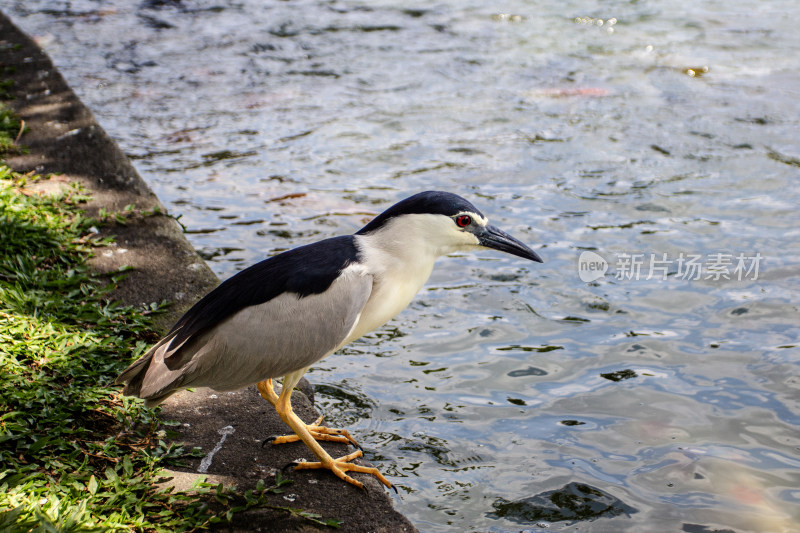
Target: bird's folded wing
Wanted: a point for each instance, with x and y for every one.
(267, 340)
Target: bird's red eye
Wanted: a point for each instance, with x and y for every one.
(463, 221)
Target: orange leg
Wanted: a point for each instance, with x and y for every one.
(267, 392)
(317, 431)
(310, 433)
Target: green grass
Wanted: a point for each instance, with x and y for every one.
(75, 455)
(66, 455)
(9, 129)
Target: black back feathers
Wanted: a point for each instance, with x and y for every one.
(306, 270)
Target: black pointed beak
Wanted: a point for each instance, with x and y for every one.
(497, 239)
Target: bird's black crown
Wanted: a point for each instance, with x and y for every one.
(428, 202)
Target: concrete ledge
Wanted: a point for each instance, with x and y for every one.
(64, 138)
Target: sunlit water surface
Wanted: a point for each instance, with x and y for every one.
(650, 400)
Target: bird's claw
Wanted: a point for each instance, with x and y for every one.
(319, 433)
(270, 439)
(310, 434)
(342, 465)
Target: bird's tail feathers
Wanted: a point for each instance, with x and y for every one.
(133, 377)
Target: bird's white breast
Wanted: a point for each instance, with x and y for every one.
(398, 272)
(391, 293)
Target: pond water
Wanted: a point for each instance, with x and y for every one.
(645, 377)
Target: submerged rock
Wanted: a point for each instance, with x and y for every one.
(573, 502)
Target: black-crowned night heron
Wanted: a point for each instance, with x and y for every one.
(282, 315)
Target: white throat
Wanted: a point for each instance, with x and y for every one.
(400, 258)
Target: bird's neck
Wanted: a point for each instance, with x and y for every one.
(398, 259)
(399, 265)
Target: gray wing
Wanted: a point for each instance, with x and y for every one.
(268, 340)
